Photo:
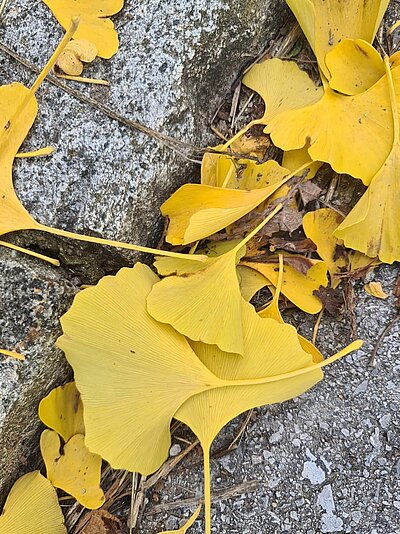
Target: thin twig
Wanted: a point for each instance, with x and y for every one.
(219, 495)
(385, 331)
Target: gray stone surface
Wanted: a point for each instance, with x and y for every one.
(177, 60)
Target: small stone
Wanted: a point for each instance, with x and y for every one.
(361, 388)
(384, 421)
(313, 473)
(345, 432)
(175, 450)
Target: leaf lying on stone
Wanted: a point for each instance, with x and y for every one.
(187, 525)
(62, 411)
(326, 23)
(32, 506)
(375, 289)
(73, 56)
(75, 470)
(184, 301)
(95, 26)
(18, 110)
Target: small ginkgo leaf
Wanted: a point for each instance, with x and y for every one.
(133, 372)
(339, 127)
(297, 287)
(76, 470)
(32, 508)
(320, 226)
(376, 290)
(293, 159)
(244, 174)
(62, 411)
(184, 302)
(251, 281)
(94, 26)
(184, 528)
(197, 211)
(355, 66)
(373, 225)
(326, 23)
(282, 85)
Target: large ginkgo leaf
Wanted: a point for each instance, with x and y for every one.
(197, 211)
(319, 226)
(282, 86)
(206, 305)
(94, 25)
(62, 411)
(76, 470)
(272, 353)
(373, 226)
(339, 128)
(32, 508)
(327, 22)
(133, 372)
(297, 287)
(355, 66)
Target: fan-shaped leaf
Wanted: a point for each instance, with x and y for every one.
(32, 508)
(76, 470)
(62, 411)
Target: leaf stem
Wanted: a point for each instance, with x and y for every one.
(41, 152)
(207, 489)
(118, 244)
(242, 132)
(30, 253)
(277, 378)
(12, 354)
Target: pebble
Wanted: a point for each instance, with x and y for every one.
(313, 473)
(175, 450)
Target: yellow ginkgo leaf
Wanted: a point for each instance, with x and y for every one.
(244, 174)
(94, 26)
(326, 23)
(339, 127)
(184, 302)
(375, 289)
(273, 354)
(32, 508)
(184, 528)
(197, 211)
(76, 470)
(319, 226)
(373, 226)
(133, 372)
(297, 287)
(355, 66)
(251, 281)
(293, 159)
(282, 85)
(18, 109)
(62, 411)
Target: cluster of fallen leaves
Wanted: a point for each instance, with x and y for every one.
(190, 343)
